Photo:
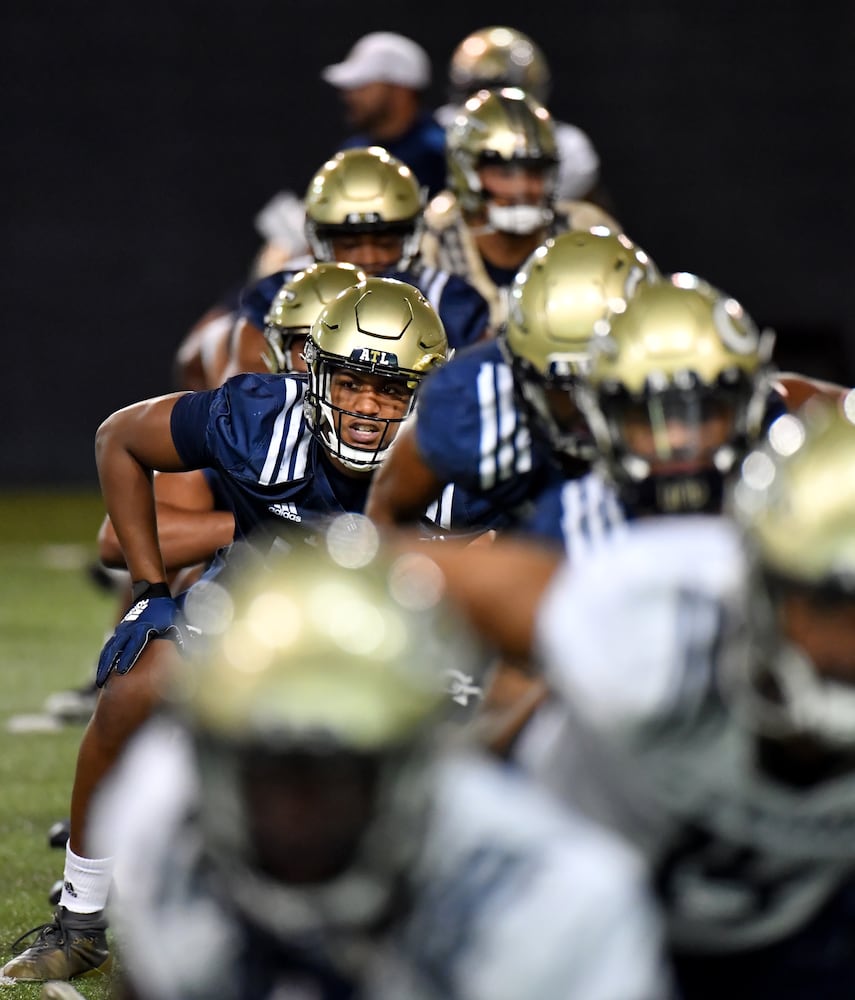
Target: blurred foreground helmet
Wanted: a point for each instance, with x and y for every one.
(381, 326)
(564, 288)
(298, 304)
(364, 191)
(314, 713)
(795, 504)
(675, 394)
(498, 57)
(501, 128)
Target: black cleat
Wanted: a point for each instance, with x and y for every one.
(59, 832)
(73, 944)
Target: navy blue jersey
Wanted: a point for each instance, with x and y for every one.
(578, 514)
(470, 431)
(422, 148)
(255, 299)
(463, 310)
(273, 472)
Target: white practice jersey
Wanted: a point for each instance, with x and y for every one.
(512, 896)
(634, 641)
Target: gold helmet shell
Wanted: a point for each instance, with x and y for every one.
(673, 327)
(381, 326)
(565, 287)
(298, 303)
(496, 126)
(335, 644)
(363, 190)
(795, 497)
(498, 56)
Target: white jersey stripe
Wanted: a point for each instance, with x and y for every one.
(489, 425)
(285, 427)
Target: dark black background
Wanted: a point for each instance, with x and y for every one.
(140, 141)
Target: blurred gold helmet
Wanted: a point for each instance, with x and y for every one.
(565, 287)
(795, 497)
(381, 326)
(315, 712)
(297, 305)
(676, 391)
(501, 127)
(364, 190)
(794, 502)
(498, 57)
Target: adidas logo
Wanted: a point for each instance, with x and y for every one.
(69, 888)
(286, 510)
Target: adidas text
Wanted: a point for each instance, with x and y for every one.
(286, 510)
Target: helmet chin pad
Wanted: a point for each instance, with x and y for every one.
(518, 220)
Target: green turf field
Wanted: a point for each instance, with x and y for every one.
(52, 621)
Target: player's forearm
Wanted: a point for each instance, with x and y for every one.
(129, 445)
(186, 537)
(190, 537)
(128, 494)
(403, 487)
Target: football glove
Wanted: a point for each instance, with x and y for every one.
(148, 618)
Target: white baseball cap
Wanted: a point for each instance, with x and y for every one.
(381, 57)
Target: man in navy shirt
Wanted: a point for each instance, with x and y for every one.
(382, 83)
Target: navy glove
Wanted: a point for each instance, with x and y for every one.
(149, 617)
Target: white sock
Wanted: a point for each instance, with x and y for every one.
(85, 882)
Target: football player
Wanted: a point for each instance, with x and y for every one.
(289, 450)
(500, 419)
(300, 824)
(382, 84)
(364, 207)
(707, 665)
(501, 200)
(680, 383)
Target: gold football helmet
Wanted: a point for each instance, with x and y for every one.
(567, 285)
(364, 191)
(794, 501)
(314, 713)
(498, 57)
(381, 326)
(297, 305)
(504, 126)
(676, 391)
